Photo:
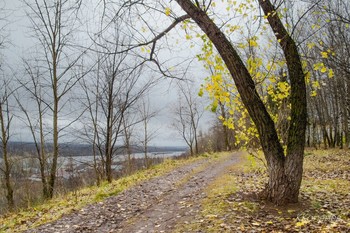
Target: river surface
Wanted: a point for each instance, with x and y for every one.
(68, 164)
(121, 157)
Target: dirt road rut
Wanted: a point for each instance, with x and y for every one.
(157, 205)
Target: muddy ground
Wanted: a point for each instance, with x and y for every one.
(157, 205)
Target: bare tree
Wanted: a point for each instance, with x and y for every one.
(90, 103)
(6, 113)
(328, 116)
(5, 122)
(36, 125)
(3, 23)
(187, 114)
(146, 115)
(53, 25)
(116, 91)
(129, 121)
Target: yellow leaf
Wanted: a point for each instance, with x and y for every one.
(200, 93)
(330, 73)
(241, 45)
(310, 45)
(299, 224)
(324, 69)
(324, 54)
(280, 96)
(302, 223)
(219, 67)
(167, 11)
(318, 66)
(316, 84)
(283, 87)
(272, 79)
(307, 77)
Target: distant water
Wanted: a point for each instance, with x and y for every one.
(77, 160)
(64, 161)
(80, 163)
(121, 157)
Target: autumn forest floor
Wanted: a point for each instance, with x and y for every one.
(205, 194)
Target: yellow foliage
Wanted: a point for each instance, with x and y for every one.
(302, 223)
(188, 37)
(330, 73)
(324, 54)
(311, 45)
(167, 11)
(283, 87)
(318, 66)
(252, 42)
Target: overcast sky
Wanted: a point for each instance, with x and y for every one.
(162, 98)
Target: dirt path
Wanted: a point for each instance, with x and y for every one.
(157, 205)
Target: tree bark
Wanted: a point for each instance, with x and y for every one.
(7, 168)
(53, 170)
(224, 128)
(296, 133)
(285, 172)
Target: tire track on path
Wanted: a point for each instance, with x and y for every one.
(157, 205)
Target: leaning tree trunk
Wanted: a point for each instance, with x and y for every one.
(285, 172)
(293, 166)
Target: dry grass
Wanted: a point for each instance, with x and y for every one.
(55, 208)
(231, 205)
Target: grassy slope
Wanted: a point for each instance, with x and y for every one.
(324, 200)
(55, 208)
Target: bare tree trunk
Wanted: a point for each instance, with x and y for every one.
(108, 146)
(42, 158)
(7, 168)
(187, 116)
(224, 128)
(36, 93)
(127, 135)
(53, 24)
(288, 184)
(194, 126)
(52, 178)
(145, 144)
